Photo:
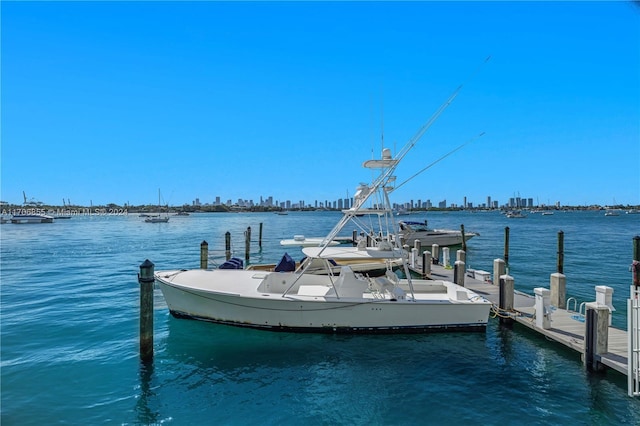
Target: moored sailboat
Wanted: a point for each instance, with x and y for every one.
(157, 218)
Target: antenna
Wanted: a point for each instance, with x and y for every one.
(381, 120)
(440, 159)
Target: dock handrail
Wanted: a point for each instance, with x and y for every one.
(580, 312)
(575, 304)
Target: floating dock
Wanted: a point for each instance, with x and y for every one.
(566, 326)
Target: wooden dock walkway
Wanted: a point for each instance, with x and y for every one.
(567, 326)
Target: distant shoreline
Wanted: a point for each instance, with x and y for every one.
(116, 210)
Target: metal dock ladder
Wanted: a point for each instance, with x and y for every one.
(633, 333)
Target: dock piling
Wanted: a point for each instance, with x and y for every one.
(560, 265)
(435, 254)
(146, 280)
(204, 254)
(506, 296)
(446, 259)
(499, 269)
(227, 245)
(414, 257)
(464, 239)
(260, 236)
(458, 272)
(596, 336)
(558, 285)
(506, 292)
(506, 245)
(247, 244)
(426, 264)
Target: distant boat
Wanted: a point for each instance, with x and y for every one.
(612, 213)
(515, 215)
(158, 218)
(302, 241)
(31, 218)
(182, 214)
(633, 211)
(547, 213)
(412, 231)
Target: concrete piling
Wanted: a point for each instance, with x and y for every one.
(435, 254)
(499, 269)
(596, 337)
(227, 245)
(146, 280)
(446, 259)
(426, 264)
(413, 260)
(458, 272)
(506, 296)
(558, 286)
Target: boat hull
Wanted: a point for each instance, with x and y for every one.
(319, 314)
(442, 239)
(31, 218)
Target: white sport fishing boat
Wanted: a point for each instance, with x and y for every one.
(410, 231)
(305, 301)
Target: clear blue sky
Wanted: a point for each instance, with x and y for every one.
(109, 101)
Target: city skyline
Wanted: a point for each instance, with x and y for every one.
(517, 202)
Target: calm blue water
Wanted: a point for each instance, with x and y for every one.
(69, 329)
